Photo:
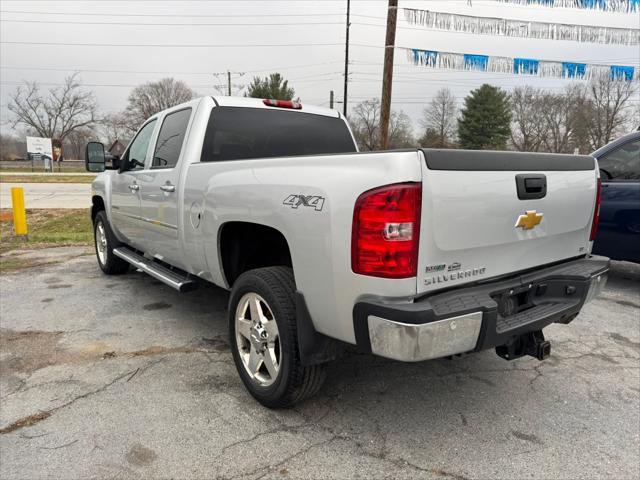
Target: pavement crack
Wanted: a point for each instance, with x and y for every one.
(60, 446)
(43, 415)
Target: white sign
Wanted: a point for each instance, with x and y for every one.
(41, 147)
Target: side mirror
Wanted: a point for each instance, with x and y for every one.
(94, 159)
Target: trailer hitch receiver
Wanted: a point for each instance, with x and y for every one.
(532, 343)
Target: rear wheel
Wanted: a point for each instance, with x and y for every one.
(263, 331)
(105, 242)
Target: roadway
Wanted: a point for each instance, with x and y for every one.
(49, 195)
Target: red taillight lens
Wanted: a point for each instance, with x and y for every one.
(596, 213)
(282, 103)
(386, 231)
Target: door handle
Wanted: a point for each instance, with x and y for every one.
(134, 187)
(168, 188)
(531, 186)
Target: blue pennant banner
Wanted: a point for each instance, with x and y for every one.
(520, 66)
(622, 6)
(522, 28)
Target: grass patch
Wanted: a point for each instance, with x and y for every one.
(47, 178)
(47, 227)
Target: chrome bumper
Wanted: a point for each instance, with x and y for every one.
(413, 343)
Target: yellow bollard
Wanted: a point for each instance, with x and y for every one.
(19, 213)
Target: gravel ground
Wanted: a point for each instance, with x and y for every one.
(104, 377)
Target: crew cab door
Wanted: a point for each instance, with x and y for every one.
(125, 187)
(619, 233)
(160, 189)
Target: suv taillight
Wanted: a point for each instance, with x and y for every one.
(386, 231)
(596, 212)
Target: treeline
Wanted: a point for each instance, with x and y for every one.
(69, 113)
(581, 117)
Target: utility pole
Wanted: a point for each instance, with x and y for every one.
(387, 75)
(346, 61)
(225, 87)
(331, 99)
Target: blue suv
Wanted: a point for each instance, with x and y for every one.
(619, 233)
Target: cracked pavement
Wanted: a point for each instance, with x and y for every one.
(105, 377)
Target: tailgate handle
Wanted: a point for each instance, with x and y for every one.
(531, 186)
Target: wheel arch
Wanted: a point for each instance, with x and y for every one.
(246, 245)
(97, 204)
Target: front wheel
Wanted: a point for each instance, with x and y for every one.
(263, 331)
(105, 242)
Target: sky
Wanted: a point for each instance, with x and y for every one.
(302, 39)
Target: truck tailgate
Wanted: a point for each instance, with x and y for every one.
(476, 224)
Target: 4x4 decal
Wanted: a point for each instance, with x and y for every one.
(313, 201)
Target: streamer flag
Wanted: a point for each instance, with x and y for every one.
(622, 6)
(522, 28)
(520, 66)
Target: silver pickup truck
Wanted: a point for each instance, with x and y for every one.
(410, 255)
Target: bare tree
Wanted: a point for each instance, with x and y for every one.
(439, 120)
(56, 114)
(365, 123)
(75, 143)
(563, 115)
(400, 130)
(607, 109)
(12, 147)
(150, 98)
(115, 126)
(529, 128)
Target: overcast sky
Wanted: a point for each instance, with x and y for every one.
(253, 34)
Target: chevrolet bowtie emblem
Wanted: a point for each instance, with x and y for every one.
(529, 220)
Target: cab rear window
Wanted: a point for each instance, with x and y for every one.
(235, 133)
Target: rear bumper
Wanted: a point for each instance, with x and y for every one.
(479, 317)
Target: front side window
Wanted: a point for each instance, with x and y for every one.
(137, 153)
(170, 139)
(235, 133)
(622, 164)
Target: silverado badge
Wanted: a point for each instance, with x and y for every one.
(529, 220)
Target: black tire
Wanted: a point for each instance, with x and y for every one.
(293, 383)
(111, 265)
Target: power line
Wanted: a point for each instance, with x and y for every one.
(105, 14)
(164, 45)
(171, 15)
(166, 72)
(73, 22)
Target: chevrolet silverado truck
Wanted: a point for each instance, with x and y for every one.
(410, 255)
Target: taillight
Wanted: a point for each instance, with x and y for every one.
(596, 212)
(386, 231)
(282, 103)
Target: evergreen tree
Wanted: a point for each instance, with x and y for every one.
(273, 86)
(485, 121)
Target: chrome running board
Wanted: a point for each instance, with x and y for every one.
(180, 282)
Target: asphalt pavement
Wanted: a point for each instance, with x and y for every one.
(49, 195)
(122, 377)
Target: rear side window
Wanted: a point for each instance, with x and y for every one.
(238, 133)
(622, 164)
(170, 139)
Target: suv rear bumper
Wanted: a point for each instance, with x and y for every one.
(479, 317)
